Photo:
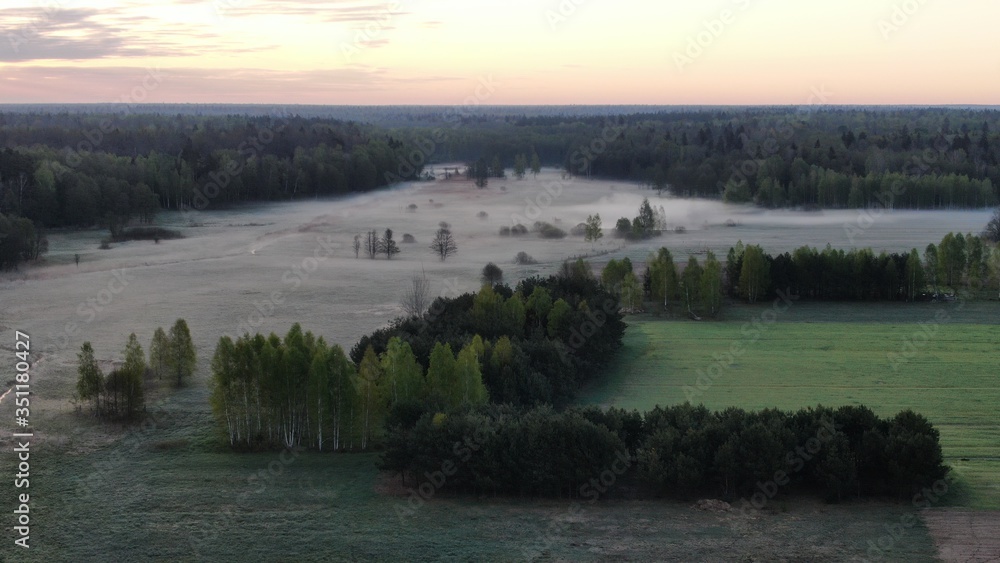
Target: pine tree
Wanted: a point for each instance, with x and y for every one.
(388, 245)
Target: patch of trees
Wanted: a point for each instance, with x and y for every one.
(375, 245)
(299, 391)
(648, 223)
(120, 394)
(541, 340)
(958, 262)
(20, 241)
(682, 451)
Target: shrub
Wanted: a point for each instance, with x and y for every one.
(547, 230)
(408, 238)
(524, 258)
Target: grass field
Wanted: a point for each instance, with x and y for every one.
(176, 497)
(833, 354)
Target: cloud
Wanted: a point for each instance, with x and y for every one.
(67, 84)
(334, 11)
(30, 34)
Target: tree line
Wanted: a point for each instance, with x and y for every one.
(682, 451)
(298, 391)
(959, 262)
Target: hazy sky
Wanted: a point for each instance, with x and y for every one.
(501, 51)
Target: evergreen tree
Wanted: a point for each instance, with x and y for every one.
(388, 245)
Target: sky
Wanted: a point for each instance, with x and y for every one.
(500, 52)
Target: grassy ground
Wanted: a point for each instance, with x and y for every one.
(945, 357)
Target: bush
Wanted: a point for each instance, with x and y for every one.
(579, 230)
(408, 238)
(483, 215)
(547, 230)
(505, 231)
(524, 258)
(518, 230)
(412, 207)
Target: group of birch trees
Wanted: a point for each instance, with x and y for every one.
(299, 391)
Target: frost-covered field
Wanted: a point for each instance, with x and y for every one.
(264, 267)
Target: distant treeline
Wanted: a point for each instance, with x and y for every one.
(775, 157)
(680, 451)
(110, 169)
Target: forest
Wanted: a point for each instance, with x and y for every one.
(113, 169)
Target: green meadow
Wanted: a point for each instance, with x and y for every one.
(940, 360)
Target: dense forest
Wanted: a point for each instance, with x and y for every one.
(113, 168)
(682, 451)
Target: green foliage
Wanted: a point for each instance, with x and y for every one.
(681, 450)
(181, 357)
(663, 277)
(159, 351)
(593, 231)
(90, 383)
(755, 276)
(691, 282)
(20, 241)
(271, 392)
(710, 286)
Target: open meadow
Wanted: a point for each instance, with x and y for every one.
(171, 489)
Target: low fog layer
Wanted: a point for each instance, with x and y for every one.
(223, 276)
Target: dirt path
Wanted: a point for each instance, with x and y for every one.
(969, 536)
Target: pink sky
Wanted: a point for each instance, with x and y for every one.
(529, 52)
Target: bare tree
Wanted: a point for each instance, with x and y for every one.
(444, 243)
(373, 244)
(417, 298)
(357, 245)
